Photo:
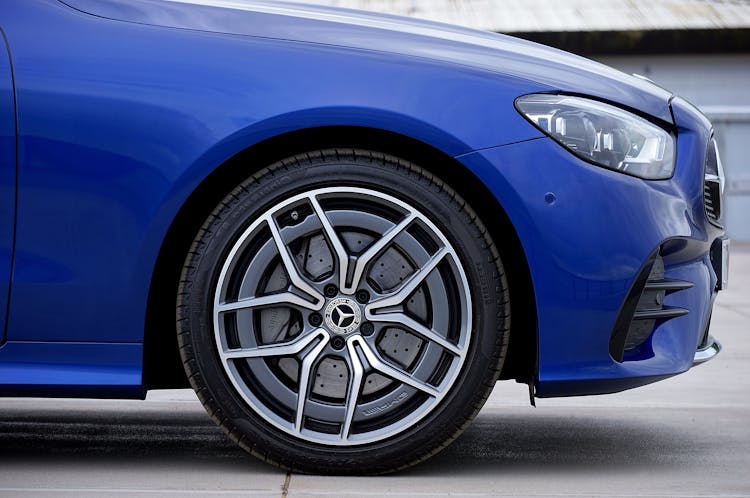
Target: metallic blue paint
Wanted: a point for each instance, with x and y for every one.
(124, 108)
(409, 39)
(70, 369)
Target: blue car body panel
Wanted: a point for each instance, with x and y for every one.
(115, 140)
(510, 57)
(71, 369)
(124, 108)
(583, 268)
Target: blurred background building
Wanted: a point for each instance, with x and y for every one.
(700, 49)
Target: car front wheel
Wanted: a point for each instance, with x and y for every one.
(343, 311)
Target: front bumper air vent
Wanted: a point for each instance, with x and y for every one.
(644, 308)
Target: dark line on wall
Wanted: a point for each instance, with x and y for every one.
(641, 42)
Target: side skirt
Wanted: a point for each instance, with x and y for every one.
(72, 369)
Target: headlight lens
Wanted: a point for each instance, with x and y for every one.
(603, 134)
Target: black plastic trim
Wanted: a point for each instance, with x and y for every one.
(622, 325)
(666, 312)
(668, 285)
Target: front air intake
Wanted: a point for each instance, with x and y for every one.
(644, 308)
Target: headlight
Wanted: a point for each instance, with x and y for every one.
(603, 134)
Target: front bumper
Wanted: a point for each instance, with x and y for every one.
(586, 247)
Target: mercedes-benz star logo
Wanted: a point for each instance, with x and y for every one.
(342, 315)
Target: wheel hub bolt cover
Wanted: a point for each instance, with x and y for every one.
(363, 296)
(337, 342)
(315, 319)
(330, 290)
(367, 328)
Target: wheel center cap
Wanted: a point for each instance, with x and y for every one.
(342, 315)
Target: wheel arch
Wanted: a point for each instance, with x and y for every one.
(162, 364)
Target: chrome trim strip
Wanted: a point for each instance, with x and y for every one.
(724, 279)
(707, 353)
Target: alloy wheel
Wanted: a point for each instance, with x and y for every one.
(342, 315)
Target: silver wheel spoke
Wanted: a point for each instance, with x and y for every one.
(283, 349)
(364, 259)
(381, 366)
(304, 381)
(410, 285)
(282, 298)
(290, 267)
(341, 255)
(355, 384)
(421, 330)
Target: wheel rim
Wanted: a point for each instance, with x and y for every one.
(342, 316)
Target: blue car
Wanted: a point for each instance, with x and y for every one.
(339, 228)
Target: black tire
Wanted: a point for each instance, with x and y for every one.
(482, 360)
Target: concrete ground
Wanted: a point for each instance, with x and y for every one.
(686, 436)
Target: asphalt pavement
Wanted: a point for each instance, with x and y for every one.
(682, 437)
